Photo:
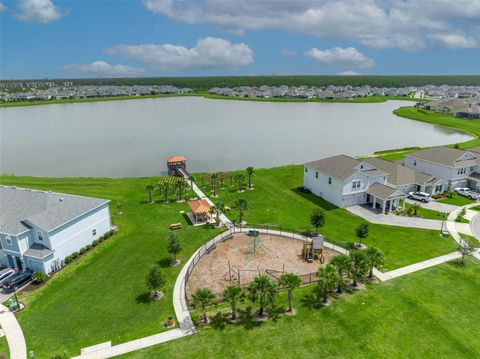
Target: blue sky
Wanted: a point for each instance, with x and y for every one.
(49, 39)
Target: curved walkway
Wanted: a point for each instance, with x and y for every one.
(452, 226)
(14, 334)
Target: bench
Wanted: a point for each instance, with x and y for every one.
(175, 226)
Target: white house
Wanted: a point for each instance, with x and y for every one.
(457, 168)
(345, 181)
(38, 229)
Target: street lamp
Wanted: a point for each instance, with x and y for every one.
(444, 215)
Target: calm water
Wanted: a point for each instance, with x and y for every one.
(132, 138)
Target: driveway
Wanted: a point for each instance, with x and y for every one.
(393, 220)
(435, 206)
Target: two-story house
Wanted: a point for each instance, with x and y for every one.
(345, 181)
(38, 229)
(457, 168)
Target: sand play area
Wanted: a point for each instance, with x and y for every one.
(273, 253)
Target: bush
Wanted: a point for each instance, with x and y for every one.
(74, 255)
(39, 277)
(88, 247)
(82, 250)
(95, 242)
(68, 259)
(59, 355)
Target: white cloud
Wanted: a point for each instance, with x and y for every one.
(343, 57)
(41, 11)
(208, 53)
(407, 24)
(105, 69)
(2, 7)
(288, 52)
(454, 41)
(349, 73)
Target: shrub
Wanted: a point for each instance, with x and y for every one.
(88, 247)
(59, 355)
(74, 255)
(82, 250)
(95, 242)
(68, 259)
(39, 277)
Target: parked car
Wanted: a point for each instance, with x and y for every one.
(468, 193)
(420, 196)
(16, 281)
(5, 274)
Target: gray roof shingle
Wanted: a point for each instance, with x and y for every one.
(444, 156)
(383, 192)
(46, 210)
(38, 251)
(342, 167)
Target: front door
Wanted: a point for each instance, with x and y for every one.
(11, 264)
(19, 263)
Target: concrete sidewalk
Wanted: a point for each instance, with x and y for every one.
(366, 213)
(14, 334)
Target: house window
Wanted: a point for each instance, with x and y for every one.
(306, 169)
(329, 180)
(40, 236)
(438, 189)
(316, 174)
(356, 184)
(8, 239)
(414, 162)
(94, 232)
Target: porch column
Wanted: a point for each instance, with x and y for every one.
(384, 205)
(374, 205)
(391, 205)
(15, 266)
(404, 201)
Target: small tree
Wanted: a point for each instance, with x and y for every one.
(239, 178)
(327, 280)
(262, 291)
(192, 179)
(362, 232)
(174, 247)
(218, 210)
(317, 219)
(359, 267)
(202, 298)
(39, 277)
(290, 281)
(466, 249)
(342, 263)
(150, 190)
(250, 174)
(375, 258)
(214, 178)
(415, 208)
(241, 205)
(155, 281)
(233, 294)
(163, 189)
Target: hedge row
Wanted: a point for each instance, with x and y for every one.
(96, 242)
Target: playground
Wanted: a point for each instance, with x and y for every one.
(239, 259)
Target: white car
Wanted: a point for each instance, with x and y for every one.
(467, 193)
(5, 274)
(420, 196)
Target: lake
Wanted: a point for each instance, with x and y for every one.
(132, 138)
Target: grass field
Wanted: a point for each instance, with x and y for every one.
(103, 296)
(277, 201)
(429, 314)
(426, 213)
(456, 200)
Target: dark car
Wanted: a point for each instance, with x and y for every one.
(16, 281)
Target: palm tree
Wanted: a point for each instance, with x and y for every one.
(202, 298)
(192, 179)
(214, 178)
(359, 265)
(375, 258)
(233, 294)
(290, 281)
(150, 189)
(181, 186)
(327, 280)
(239, 178)
(415, 208)
(342, 263)
(262, 291)
(218, 210)
(164, 190)
(317, 219)
(241, 205)
(251, 174)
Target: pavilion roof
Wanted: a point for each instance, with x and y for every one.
(176, 159)
(199, 206)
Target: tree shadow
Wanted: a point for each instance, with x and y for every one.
(323, 204)
(310, 301)
(143, 298)
(165, 262)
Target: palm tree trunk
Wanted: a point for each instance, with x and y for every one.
(234, 311)
(325, 297)
(290, 300)
(260, 313)
(205, 317)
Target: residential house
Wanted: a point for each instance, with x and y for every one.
(38, 229)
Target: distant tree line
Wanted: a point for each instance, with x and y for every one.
(205, 83)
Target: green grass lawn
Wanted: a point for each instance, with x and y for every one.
(102, 296)
(4, 347)
(429, 314)
(425, 213)
(277, 201)
(456, 200)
